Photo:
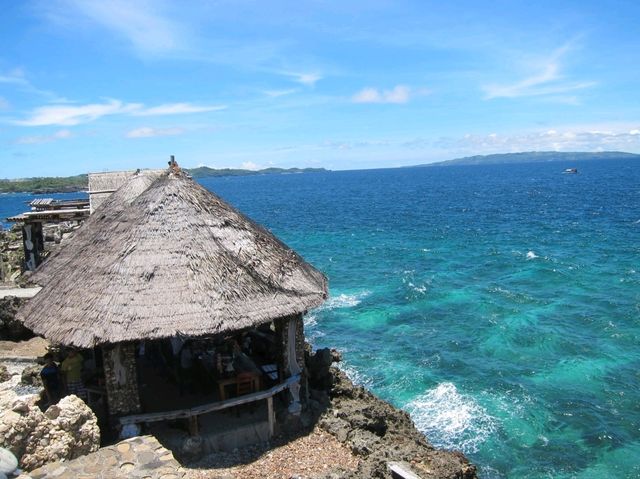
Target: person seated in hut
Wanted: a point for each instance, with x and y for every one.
(72, 370)
(51, 379)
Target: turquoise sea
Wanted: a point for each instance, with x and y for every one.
(499, 305)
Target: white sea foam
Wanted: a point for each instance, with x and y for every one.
(344, 300)
(418, 289)
(356, 376)
(310, 320)
(450, 419)
(531, 255)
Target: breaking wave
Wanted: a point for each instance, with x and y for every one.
(344, 300)
(451, 420)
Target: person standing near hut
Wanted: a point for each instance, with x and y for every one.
(51, 379)
(72, 370)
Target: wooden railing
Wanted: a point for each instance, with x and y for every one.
(194, 412)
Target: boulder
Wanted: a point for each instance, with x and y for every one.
(65, 431)
(31, 375)
(319, 365)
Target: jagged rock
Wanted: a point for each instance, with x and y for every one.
(10, 328)
(31, 375)
(65, 431)
(318, 367)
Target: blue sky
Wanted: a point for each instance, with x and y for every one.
(102, 85)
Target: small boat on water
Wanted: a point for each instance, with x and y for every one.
(571, 171)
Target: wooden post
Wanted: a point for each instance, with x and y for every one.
(32, 243)
(272, 418)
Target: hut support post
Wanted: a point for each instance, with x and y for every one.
(294, 335)
(272, 419)
(33, 243)
(121, 379)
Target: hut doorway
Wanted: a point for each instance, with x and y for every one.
(184, 372)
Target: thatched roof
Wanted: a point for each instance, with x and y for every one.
(102, 185)
(172, 258)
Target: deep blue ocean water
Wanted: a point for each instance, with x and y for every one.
(499, 305)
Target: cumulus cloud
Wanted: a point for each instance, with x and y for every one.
(69, 114)
(399, 94)
(34, 140)
(148, 132)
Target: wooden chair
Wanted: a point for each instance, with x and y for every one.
(244, 385)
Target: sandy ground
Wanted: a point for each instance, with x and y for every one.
(309, 456)
(25, 349)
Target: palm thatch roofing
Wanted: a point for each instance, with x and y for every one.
(102, 185)
(164, 256)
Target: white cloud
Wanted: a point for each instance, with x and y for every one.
(545, 78)
(307, 79)
(250, 165)
(557, 139)
(34, 140)
(399, 94)
(177, 109)
(15, 76)
(278, 93)
(142, 23)
(4, 104)
(148, 132)
(69, 115)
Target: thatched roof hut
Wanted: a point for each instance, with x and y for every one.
(164, 256)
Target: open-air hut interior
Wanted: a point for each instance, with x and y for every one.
(183, 305)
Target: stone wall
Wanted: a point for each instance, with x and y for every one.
(121, 379)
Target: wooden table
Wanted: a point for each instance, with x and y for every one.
(223, 383)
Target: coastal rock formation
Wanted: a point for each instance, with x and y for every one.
(66, 430)
(376, 431)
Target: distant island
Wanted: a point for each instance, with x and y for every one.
(70, 184)
(536, 157)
